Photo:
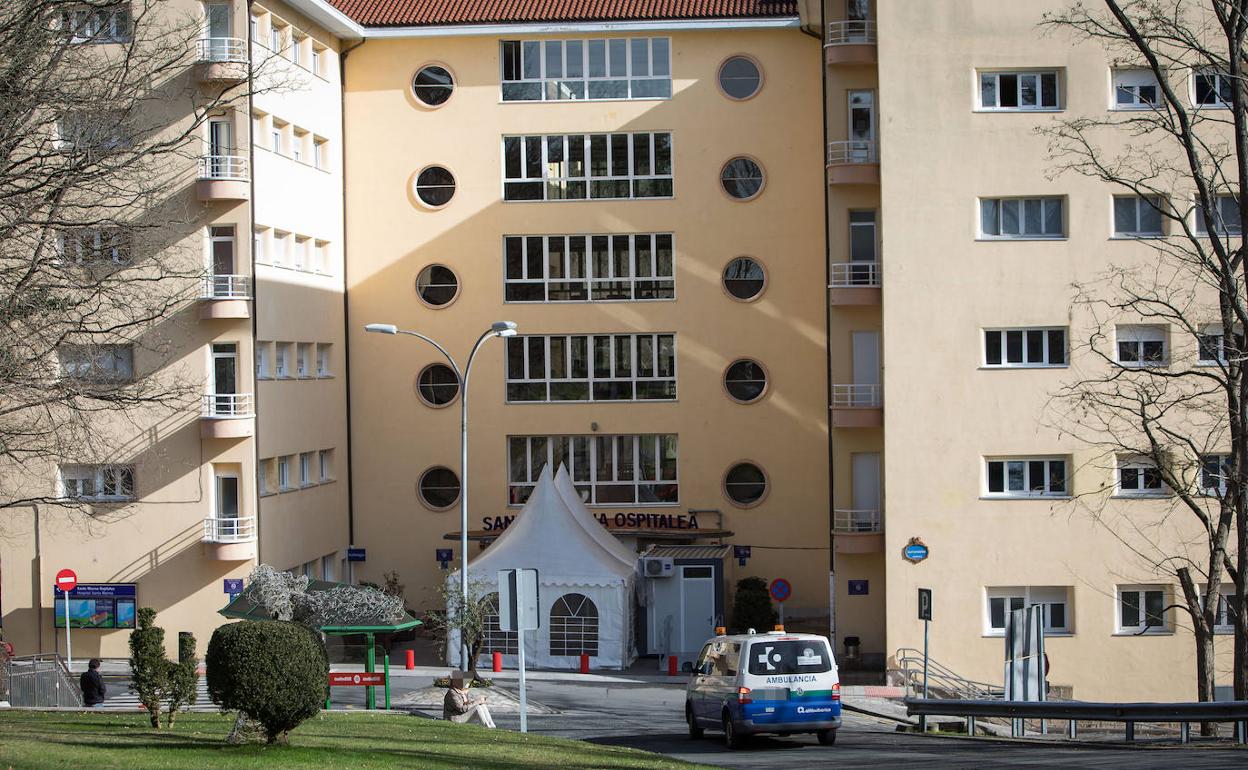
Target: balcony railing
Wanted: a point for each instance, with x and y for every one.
(854, 521)
(223, 167)
(857, 395)
(849, 275)
(853, 151)
(241, 529)
(226, 287)
(853, 32)
(222, 49)
(228, 405)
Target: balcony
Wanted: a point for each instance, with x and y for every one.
(223, 178)
(854, 162)
(221, 60)
(855, 283)
(227, 415)
(857, 406)
(850, 43)
(231, 539)
(225, 296)
(858, 530)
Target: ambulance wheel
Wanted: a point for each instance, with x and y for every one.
(695, 732)
(732, 738)
(827, 737)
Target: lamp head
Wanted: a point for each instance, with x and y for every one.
(504, 328)
(382, 328)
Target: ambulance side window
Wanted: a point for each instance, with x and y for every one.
(704, 666)
(722, 658)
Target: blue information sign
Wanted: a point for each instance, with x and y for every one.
(915, 551)
(355, 554)
(741, 553)
(233, 586)
(96, 605)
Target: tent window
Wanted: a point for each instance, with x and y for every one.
(574, 626)
(493, 637)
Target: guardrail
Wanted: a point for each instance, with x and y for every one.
(942, 679)
(237, 530)
(848, 275)
(226, 405)
(856, 521)
(223, 167)
(857, 395)
(222, 49)
(226, 287)
(1075, 711)
(848, 152)
(41, 680)
(852, 32)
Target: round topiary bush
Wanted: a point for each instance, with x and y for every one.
(273, 671)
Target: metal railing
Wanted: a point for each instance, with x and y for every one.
(223, 167)
(856, 521)
(226, 405)
(241, 529)
(852, 32)
(848, 275)
(941, 680)
(222, 49)
(41, 680)
(857, 395)
(844, 153)
(226, 287)
(1074, 711)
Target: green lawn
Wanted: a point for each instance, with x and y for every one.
(361, 740)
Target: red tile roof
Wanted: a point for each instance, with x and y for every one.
(390, 13)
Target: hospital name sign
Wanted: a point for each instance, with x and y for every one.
(658, 521)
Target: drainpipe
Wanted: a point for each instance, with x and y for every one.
(346, 308)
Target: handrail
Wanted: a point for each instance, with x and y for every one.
(222, 49)
(223, 167)
(227, 405)
(852, 521)
(226, 287)
(852, 32)
(241, 529)
(848, 275)
(857, 395)
(28, 688)
(942, 679)
(848, 152)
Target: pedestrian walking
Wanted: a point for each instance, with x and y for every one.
(93, 690)
(461, 706)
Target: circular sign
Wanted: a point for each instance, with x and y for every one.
(66, 580)
(781, 589)
(915, 551)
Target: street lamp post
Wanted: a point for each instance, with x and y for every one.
(497, 329)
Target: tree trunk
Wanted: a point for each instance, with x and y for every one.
(154, 715)
(1204, 670)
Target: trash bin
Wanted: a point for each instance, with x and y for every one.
(853, 647)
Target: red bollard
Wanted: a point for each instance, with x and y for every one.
(498, 661)
(671, 666)
(411, 660)
(584, 663)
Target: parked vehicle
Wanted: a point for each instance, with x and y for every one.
(774, 682)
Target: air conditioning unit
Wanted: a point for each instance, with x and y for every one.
(657, 567)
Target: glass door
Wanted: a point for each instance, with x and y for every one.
(225, 379)
(862, 127)
(226, 512)
(862, 247)
(218, 30)
(857, 13)
(220, 146)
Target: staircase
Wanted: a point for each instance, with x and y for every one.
(942, 682)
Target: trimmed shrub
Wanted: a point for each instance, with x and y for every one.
(751, 608)
(274, 672)
(182, 676)
(149, 668)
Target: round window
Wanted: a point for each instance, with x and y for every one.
(744, 278)
(437, 285)
(745, 380)
(435, 186)
(439, 488)
(433, 85)
(742, 178)
(745, 484)
(437, 385)
(740, 77)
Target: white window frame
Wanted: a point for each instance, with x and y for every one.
(303, 360)
(93, 245)
(1025, 336)
(97, 363)
(1141, 466)
(1141, 334)
(1223, 228)
(1129, 81)
(1020, 75)
(323, 359)
(564, 179)
(305, 470)
(262, 360)
(557, 86)
(1024, 203)
(1213, 466)
(325, 464)
(83, 25)
(1141, 592)
(281, 361)
(283, 473)
(1045, 596)
(1211, 337)
(590, 344)
(262, 467)
(260, 244)
(108, 482)
(1027, 492)
(1140, 208)
(1219, 81)
(590, 283)
(527, 454)
(1222, 623)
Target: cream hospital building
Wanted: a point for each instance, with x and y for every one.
(791, 287)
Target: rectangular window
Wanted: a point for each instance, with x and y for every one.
(606, 470)
(1223, 621)
(1137, 216)
(1142, 609)
(278, 136)
(97, 482)
(322, 360)
(1228, 217)
(1021, 218)
(94, 245)
(1023, 348)
(305, 469)
(325, 460)
(302, 247)
(296, 49)
(1215, 348)
(263, 352)
(1135, 89)
(862, 236)
(320, 153)
(1002, 601)
(1141, 345)
(587, 166)
(97, 363)
(298, 140)
(1139, 477)
(599, 367)
(1212, 88)
(263, 486)
(1026, 477)
(562, 70)
(303, 359)
(97, 25)
(283, 472)
(260, 246)
(281, 361)
(1017, 91)
(589, 268)
(318, 56)
(1214, 471)
(276, 35)
(96, 131)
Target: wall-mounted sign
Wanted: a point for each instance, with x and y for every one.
(232, 586)
(741, 553)
(355, 554)
(442, 556)
(857, 588)
(915, 551)
(631, 520)
(925, 604)
(96, 605)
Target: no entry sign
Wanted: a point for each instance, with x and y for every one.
(781, 589)
(66, 580)
(356, 679)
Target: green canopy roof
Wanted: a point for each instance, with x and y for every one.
(244, 607)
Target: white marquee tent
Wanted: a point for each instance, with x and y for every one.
(585, 579)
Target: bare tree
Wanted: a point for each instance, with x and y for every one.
(1180, 421)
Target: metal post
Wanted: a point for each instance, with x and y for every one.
(69, 652)
(970, 726)
(370, 661)
(1185, 732)
(520, 634)
(1130, 730)
(386, 667)
(923, 719)
(463, 506)
(1072, 729)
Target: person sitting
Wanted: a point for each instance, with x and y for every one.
(460, 706)
(92, 684)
